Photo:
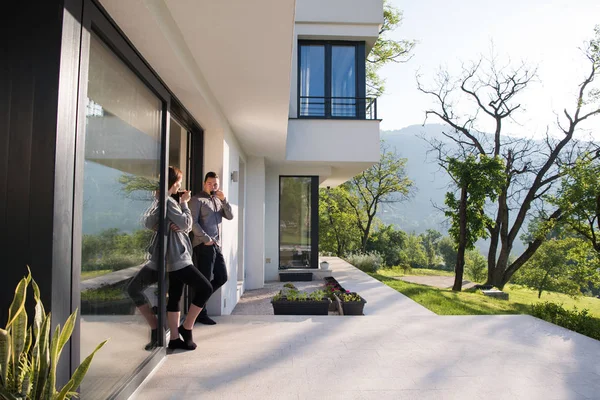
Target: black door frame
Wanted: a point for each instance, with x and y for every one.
(314, 219)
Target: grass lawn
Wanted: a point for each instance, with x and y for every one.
(397, 271)
(470, 302)
(85, 275)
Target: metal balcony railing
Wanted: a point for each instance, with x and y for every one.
(337, 107)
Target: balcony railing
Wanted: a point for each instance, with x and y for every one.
(337, 107)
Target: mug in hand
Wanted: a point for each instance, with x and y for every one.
(178, 195)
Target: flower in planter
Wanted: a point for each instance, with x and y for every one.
(349, 297)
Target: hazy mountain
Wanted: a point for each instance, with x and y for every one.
(419, 213)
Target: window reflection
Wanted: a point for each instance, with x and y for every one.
(295, 204)
(121, 172)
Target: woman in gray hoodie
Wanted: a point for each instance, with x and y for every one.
(179, 266)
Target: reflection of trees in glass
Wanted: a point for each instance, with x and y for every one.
(114, 250)
(295, 199)
(138, 187)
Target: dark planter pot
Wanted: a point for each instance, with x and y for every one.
(295, 276)
(310, 307)
(112, 307)
(351, 307)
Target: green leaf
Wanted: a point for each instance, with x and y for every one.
(64, 391)
(5, 344)
(80, 372)
(43, 361)
(6, 395)
(18, 303)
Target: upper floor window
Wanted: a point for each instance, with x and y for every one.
(331, 79)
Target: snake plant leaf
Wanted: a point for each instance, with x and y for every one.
(80, 372)
(50, 386)
(18, 304)
(6, 395)
(67, 330)
(44, 358)
(5, 340)
(62, 395)
(18, 331)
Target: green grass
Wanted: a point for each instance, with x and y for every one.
(471, 302)
(397, 271)
(85, 275)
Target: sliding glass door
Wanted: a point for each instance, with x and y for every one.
(298, 222)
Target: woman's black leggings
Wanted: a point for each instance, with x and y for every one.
(193, 278)
(144, 278)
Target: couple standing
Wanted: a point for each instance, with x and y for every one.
(198, 262)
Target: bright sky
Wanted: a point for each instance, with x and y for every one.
(544, 34)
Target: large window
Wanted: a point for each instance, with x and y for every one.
(331, 80)
(298, 221)
(120, 183)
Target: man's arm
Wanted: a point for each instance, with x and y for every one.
(226, 210)
(195, 206)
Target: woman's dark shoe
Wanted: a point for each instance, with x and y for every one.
(187, 337)
(175, 344)
(153, 340)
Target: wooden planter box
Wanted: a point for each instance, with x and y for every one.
(351, 307)
(309, 307)
(295, 276)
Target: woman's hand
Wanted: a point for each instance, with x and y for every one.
(174, 227)
(185, 197)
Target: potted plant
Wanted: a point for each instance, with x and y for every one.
(29, 354)
(295, 302)
(351, 303)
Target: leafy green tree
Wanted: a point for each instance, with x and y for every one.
(475, 266)
(532, 168)
(338, 230)
(430, 241)
(560, 265)
(413, 253)
(386, 50)
(385, 181)
(447, 249)
(478, 180)
(388, 242)
(579, 199)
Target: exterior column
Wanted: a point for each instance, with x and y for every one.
(255, 219)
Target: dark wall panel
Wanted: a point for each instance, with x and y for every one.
(31, 47)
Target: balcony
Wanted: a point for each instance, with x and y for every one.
(319, 107)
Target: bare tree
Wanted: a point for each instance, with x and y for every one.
(532, 168)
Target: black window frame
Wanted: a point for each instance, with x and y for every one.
(360, 68)
(314, 219)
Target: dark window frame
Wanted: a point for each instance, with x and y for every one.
(360, 68)
(314, 219)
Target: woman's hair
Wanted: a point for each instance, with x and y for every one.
(175, 174)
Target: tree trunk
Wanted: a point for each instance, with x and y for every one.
(462, 241)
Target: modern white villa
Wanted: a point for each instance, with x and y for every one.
(99, 97)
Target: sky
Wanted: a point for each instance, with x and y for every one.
(545, 35)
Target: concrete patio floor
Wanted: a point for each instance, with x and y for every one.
(398, 350)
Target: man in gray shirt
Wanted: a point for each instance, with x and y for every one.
(208, 210)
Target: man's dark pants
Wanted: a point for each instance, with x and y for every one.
(210, 262)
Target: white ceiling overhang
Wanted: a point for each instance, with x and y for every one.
(228, 62)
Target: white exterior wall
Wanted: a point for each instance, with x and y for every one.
(222, 154)
(255, 223)
(333, 140)
(340, 11)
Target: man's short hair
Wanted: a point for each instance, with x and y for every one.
(210, 175)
